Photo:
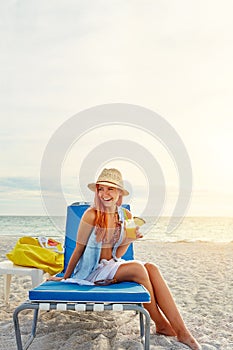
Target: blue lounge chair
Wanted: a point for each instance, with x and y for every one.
(62, 296)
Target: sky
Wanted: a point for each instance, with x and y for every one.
(59, 58)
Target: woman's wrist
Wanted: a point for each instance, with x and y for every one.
(66, 275)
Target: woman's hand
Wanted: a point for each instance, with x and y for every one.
(127, 241)
(131, 239)
(138, 233)
(54, 278)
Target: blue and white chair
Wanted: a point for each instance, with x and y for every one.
(61, 296)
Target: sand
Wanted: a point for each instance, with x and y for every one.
(198, 274)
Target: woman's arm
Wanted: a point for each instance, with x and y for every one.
(121, 250)
(85, 228)
(77, 253)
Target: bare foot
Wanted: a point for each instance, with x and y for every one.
(165, 329)
(189, 340)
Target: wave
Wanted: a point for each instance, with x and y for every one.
(188, 241)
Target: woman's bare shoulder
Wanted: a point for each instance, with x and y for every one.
(86, 225)
(89, 216)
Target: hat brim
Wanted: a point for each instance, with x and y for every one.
(92, 187)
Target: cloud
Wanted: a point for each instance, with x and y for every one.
(8, 184)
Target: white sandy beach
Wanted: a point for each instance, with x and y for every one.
(200, 278)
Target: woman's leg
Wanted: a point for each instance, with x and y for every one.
(167, 304)
(136, 272)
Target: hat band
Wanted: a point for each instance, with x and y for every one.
(113, 183)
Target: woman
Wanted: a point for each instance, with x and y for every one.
(102, 241)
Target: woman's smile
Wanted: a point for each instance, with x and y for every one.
(108, 195)
(107, 199)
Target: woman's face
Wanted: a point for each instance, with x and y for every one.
(108, 195)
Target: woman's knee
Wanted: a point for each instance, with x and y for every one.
(134, 272)
(151, 268)
(140, 270)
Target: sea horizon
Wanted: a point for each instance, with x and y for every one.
(217, 229)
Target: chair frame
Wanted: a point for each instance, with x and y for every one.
(80, 306)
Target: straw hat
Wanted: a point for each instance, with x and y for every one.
(110, 177)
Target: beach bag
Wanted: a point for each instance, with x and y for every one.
(43, 253)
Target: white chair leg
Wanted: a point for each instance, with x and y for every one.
(6, 287)
(37, 277)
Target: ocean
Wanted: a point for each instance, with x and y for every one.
(192, 229)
